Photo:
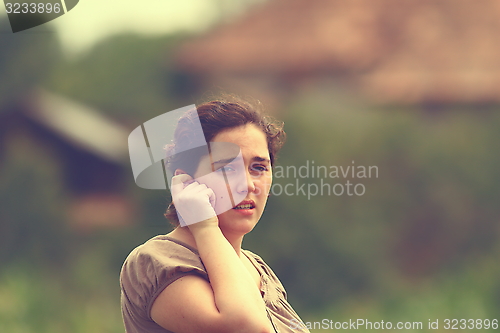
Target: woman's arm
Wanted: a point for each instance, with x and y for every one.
(231, 302)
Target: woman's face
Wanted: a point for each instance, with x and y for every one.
(242, 185)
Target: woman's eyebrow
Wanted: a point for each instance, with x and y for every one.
(225, 161)
(229, 160)
(261, 159)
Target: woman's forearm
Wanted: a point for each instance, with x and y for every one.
(236, 296)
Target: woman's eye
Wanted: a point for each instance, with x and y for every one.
(227, 168)
(259, 168)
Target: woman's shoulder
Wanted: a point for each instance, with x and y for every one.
(252, 255)
(154, 265)
(161, 258)
(264, 267)
(164, 250)
(166, 245)
(256, 258)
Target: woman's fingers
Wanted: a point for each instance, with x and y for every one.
(180, 182)
(181, 178)
(193, 201)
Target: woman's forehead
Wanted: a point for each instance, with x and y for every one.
(250, 138)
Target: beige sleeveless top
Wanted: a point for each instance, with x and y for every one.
(152, 266)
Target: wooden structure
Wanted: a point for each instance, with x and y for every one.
(91, 150)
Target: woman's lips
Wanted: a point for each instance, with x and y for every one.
(245, 207)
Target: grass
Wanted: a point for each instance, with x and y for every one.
(33, 300)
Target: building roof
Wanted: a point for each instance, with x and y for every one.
(80, 125)
(395, 51)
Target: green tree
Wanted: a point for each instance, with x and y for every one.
(26, 58)
(126, 76)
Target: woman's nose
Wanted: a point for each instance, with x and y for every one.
(247, 184)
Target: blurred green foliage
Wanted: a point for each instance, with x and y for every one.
(82, 299)
(26, 58)
(432, 207)
(127, 76)
(33, 204)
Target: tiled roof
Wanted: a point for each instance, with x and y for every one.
(406, 51)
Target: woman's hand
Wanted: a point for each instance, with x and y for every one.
(194, 203)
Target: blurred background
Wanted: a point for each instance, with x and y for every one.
(411, 87)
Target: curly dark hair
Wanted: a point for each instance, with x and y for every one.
(214, 117)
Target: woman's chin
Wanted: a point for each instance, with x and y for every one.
(240, 221)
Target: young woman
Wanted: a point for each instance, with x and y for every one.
(197, 278)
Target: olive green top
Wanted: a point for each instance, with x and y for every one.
(154, 265)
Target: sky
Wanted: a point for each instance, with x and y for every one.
(93, 20)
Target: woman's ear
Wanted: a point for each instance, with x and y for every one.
(179, 172)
